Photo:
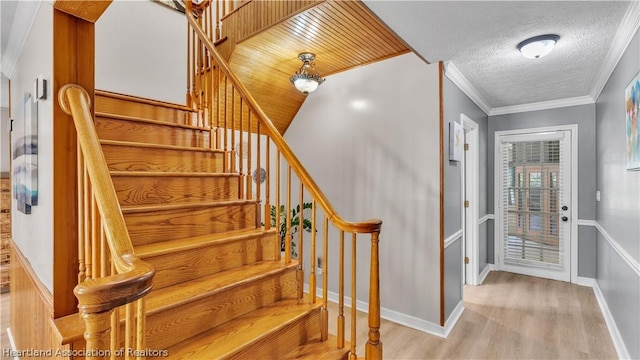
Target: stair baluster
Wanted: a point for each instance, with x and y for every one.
(103, 237)
(242, 121)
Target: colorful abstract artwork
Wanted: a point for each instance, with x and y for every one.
(632, 107)
(25, 158)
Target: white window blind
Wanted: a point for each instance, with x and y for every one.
(532, 185)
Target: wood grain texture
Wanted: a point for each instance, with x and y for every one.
(213, 301)
(441, 215)
(128, 156)
(31, 308)
(346, 35)
(161, 225)
(121, 104)
(72, 63)
(188, 259)
(121, 128)
(146, 188)
(315, 349)
(510, 316)
(86, 10)
(259, 327)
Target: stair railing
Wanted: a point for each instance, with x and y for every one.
(264, 158)
(112, 281)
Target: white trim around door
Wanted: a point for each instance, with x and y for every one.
(471, 192)
(535, 132)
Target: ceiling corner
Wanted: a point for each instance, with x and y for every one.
(624, 35)
(25, 17)
(452, 72)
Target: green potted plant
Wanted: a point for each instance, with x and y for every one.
(295, 224)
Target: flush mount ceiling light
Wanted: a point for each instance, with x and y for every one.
(307, 78)
(538, 46)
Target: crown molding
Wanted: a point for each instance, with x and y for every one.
(452, 72)
(25, 17)
(543, 105)
(624, 35)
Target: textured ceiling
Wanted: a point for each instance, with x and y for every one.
(480, 38)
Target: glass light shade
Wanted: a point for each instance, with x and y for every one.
(538, 46)
(305, 84)
(306, 79)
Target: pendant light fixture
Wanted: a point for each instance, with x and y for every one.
(307, 78)
(538, 46)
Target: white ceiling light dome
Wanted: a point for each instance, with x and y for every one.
(538, 46)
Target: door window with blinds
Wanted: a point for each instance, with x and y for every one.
(534, 181)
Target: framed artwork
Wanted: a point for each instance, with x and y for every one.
(25, 158)
(632, 125)
(456, 141)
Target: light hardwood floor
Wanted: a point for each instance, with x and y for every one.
(510, 316)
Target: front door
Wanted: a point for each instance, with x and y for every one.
(535, 200)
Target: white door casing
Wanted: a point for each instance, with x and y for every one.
(471, 192)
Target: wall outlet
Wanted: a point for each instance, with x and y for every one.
(320, 262)
(598, 195)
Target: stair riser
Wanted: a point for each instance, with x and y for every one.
(148, 133)
(170, 327)
(147, 190)
(156, 226)
(183, 266)
(110, 105)
(278, 344)
(129, 158)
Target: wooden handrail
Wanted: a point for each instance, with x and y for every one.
(98, 297)
(368, 226)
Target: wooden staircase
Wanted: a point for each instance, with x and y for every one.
(220, 288)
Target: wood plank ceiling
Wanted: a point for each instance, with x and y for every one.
(342, 34)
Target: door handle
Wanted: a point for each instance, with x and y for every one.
(564, 218)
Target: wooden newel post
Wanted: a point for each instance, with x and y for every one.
(97, 334)
(373, 348)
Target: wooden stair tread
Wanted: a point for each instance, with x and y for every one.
(175, 295)
(149, 121)
(143, 100)
(172, 246)
(231, 337)
(319, 350)
(158, 146)
(170, 174)
(130, 209)
(71, 328)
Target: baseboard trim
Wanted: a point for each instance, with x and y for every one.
(616, 337)
(485, 273)
(453, 318)
(398, 317)
(586, 281)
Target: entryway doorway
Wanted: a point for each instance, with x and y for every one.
(535, 202)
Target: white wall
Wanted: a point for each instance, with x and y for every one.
(370, 139)
(141, 50)
(33, 233)
(4, 141)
